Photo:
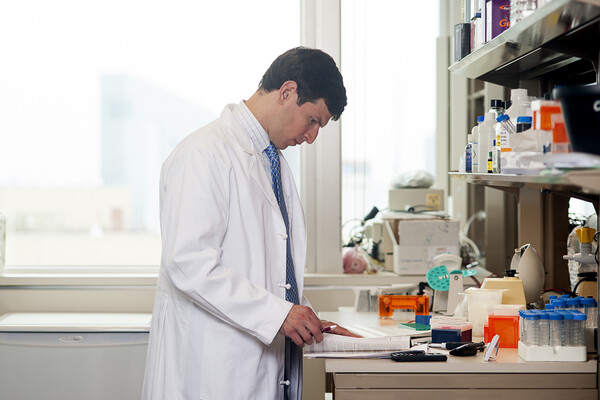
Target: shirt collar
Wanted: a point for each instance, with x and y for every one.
(258, 135)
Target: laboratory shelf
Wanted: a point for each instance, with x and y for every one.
(577, 181)
(553, 43)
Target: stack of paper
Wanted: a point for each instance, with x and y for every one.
(336, 346)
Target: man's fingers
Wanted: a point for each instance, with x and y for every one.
(302, 325)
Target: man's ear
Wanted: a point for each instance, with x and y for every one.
(287, 90)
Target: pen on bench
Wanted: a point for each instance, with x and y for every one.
(447, 346)
(328, 328)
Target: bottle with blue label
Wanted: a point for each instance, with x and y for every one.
(469, 154)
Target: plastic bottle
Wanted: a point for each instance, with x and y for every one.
(559, 304)
(495, 156)
(590, 308)
(523, 124)
(490, 163)
(469, 154)
(520, 104)
(497, 108)
(475, 145)
(578, 331)
(504, 128)
(556, 322)
(530, 330)
(476, 34)
(544, 329)
(567, 336)
(486, 136)
(573, 304)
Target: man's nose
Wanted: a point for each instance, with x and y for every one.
(311, 134)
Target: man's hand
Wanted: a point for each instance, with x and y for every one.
(338, 330)
(302, 325)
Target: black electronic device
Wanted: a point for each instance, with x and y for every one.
(468, 349)
(417, 357)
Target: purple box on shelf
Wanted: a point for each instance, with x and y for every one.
(497, 18)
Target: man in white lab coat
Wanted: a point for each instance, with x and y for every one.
(221, 317)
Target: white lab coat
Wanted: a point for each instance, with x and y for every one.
(220, 299)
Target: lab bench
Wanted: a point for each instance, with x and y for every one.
(505, 377)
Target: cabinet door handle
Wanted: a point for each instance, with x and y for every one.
(70, 339)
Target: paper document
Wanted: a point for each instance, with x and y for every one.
(337, 346)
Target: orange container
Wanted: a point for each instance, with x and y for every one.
(389, 303)
(542, 113)
(507, 326)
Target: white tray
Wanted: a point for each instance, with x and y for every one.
(552, 353)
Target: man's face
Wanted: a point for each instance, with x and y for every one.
(298, 124)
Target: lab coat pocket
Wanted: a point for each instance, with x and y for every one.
(235, 363)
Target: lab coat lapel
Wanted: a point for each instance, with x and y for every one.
(251, 157)
(258, 173)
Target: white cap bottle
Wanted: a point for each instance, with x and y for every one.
(475, 146)
(521, 105)
(486, 139)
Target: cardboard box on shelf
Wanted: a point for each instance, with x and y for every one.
(416, 241)
(418, 198)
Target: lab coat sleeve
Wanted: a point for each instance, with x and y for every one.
(195, 211)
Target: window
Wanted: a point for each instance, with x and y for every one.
(94, 95)
(388, 62)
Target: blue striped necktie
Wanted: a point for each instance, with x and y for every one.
(291, 293)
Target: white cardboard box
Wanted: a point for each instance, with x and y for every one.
(420, 241)
(419, 198)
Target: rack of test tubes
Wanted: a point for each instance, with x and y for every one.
(557, 333)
